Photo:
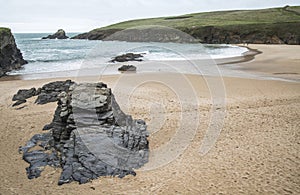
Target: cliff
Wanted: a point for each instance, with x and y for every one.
(10, 56)
(267, 26)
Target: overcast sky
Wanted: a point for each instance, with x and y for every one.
(85, 15)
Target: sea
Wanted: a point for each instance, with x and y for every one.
(54, 56)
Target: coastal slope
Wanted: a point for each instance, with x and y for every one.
(265, 26)
(10, 56)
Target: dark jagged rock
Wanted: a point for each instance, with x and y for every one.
(60, 34)
(125, 68)
(90, 137)
(127, 57)
(48, 127)
(10, 56)
(49, 92)
(23, 94)
(19, 102)
(38, 159)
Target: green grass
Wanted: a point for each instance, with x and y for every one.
(218, 19)
(4, 32)
(3, 29)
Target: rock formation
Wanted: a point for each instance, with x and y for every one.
(125, 68)
(48, 93)
(60, 34)
(89, 137)
(279, 33)
(127, 57)
(266, 26)
(10, 56)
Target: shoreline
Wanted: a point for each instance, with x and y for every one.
(247, 56)
(257, 63)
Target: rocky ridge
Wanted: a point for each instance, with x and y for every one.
(264, 26)
(280, 33)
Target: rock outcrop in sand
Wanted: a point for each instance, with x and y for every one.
(10, 56)
(48, 93)
(60, 34)
(90, 137)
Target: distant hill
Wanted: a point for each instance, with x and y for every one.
(268, 26)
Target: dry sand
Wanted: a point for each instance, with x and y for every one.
(257, 151)
(281, 61)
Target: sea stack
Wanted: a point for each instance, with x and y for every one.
(10, 56)
(60, 34)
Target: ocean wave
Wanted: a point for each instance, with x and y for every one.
(52, 60)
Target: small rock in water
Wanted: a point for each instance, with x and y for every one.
(60, 34)
(127, 57)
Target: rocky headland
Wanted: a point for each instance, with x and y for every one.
(10, 56)
(267, 26)
(60, 34)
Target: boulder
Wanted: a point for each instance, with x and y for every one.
(90, 137)
(60, 34)
(125, 68)
(23, 94)
(10, 56)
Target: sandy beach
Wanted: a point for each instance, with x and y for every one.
(256, 152)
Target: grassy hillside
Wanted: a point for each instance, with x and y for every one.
(220, 18)
(269, 26)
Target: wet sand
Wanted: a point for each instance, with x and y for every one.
(257, 151)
